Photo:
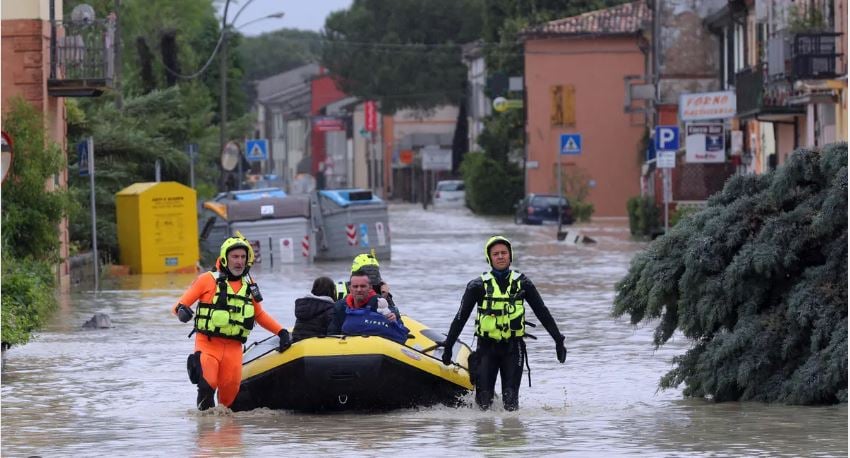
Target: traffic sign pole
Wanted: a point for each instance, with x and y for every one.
(90, 147)
(666, 139)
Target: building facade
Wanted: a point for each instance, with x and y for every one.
(575, 72)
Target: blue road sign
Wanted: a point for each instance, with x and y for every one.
(666, 138)
(83, 157)
(257, 150)
(570, 144)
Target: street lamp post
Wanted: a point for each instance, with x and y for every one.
(223, 76)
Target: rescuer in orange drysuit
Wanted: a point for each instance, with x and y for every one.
(223, 321)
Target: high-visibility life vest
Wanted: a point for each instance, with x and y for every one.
(500, 315)
(230, 315)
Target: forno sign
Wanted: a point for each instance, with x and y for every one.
(707, 105)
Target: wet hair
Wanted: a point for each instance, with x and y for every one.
(323, 286)
(359, 273)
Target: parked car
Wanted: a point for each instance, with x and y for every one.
(449, 193)
(540, 208)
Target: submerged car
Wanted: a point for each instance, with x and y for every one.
(449, 193)
(543, 208)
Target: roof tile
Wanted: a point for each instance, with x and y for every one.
(616, 20)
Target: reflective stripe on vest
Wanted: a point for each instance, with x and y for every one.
(341, 290)
(499, 317)
(230, 315)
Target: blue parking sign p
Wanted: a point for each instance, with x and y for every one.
(666, 138)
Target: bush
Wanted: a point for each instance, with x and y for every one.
(682, 212)
(758, 282)
(27, 299)
(31, 215)
(582, 211)
(492, 188)
(643, 217)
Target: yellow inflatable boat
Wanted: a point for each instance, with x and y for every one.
(353, 373)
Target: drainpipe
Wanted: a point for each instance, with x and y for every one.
(52, 39)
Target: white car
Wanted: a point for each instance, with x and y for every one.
(449, 193)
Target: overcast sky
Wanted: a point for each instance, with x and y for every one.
(300, 14)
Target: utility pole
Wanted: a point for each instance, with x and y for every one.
(116, 42)
(222, 122)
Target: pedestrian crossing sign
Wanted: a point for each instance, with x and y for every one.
(257, 149)
(570, 144)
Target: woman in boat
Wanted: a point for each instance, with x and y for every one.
(314, 311)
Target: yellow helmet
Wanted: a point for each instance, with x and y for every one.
(494, 240)
(362, 260)
(231, 243)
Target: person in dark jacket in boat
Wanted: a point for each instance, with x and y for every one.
(357, 313)
(498, 296)
(314, 311)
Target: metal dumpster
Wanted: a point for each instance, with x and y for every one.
(350, 222)
(277, 225)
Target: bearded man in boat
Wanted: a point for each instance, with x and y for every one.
(357, 313)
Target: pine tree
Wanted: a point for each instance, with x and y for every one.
(758, 282)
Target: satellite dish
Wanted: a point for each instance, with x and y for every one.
(82, 13)
(230, 156)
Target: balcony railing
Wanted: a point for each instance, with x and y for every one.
(803, 55)
(755, 94)
(814, 55)
(81, 58)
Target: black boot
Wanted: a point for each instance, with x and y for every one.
(206, 395)
(484, 399)
(510, 400)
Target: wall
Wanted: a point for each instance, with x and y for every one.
(25, 42)
(688, 59)
(610, 137)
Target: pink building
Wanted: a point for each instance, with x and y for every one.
(576, 69)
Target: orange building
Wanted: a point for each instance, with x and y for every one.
(576, 69)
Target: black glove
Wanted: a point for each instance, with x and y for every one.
(561, 350)
(184, 314)
(285, 340)
(447, 355)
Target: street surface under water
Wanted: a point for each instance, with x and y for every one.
(123, 391)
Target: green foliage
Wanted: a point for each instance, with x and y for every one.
(643, 216)
(403, 53)
(275, 52)
(502, 137)
(31, 216)
(575, 186)
(27, 299)
(682, 212)
(492, 188)
(128, 142)
(582, 211)
(806, 18)
(758, 281)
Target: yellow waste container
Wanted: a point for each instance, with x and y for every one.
(157, 227)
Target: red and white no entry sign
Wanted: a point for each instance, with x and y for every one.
(6, 162)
